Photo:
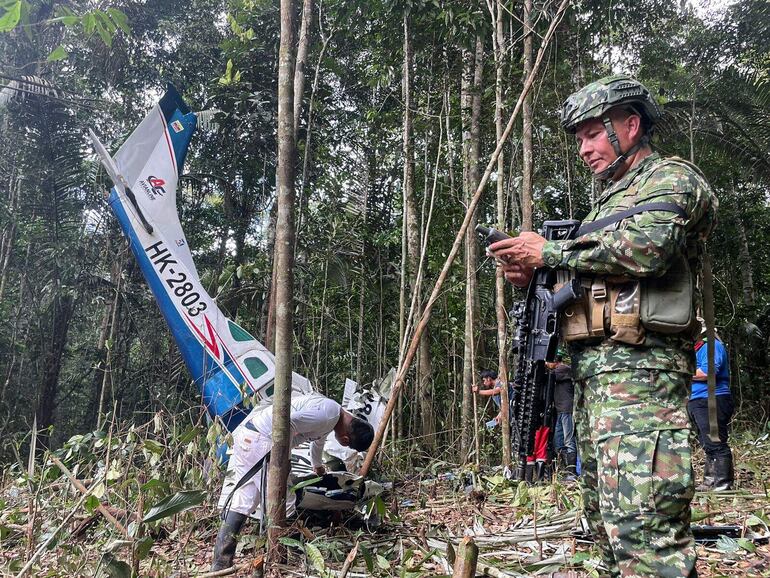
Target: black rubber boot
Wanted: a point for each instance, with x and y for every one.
(708, 476)
(227, 539)
(724, 475)
(529, 473)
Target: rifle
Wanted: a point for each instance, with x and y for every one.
(536, 340)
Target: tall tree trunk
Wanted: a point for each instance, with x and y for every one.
(526, 116)
(298, 79)
(470, 102)
(502, 366)
(423, 376)
(299, 69)
(55, 342)
(284, 309)
(9, 232)
(747, 277)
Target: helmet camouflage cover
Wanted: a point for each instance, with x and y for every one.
(595, 99)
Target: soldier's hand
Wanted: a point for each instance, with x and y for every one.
(517, 274)
(525, 250)
(319, 470)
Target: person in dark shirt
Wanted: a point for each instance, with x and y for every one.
(718, 473)
(564, 440)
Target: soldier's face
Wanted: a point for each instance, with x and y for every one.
(594, 147)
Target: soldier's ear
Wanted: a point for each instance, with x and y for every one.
(634, 124)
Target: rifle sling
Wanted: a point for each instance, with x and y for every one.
(600, 224)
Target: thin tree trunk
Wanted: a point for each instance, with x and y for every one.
(299, 69)
(322, 314)
(502, 365)
(114, 321)
(471, 111)
(526, 116)
(360, 338)
(298, 90)
(747, 277)
(61, 310)
(284, 258)
(412, 220)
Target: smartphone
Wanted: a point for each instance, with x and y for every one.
(490, 234)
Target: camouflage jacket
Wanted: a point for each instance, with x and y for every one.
(643, 245)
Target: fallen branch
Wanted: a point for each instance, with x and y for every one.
(420, 329)
(349, 559)
(75, 482)
(248, 568)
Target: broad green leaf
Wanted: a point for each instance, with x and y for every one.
(91, 503)
(102, 31)
(68, 20)
(108, 24)
(89, 23)
(171, 505)
(368, 558)
(316, 558)
(305, 483)
(155, 485)
(382, 562)
(120, 19)
(115, 568)
(153, 446)
(143, 546)
(290, 542)
(747, 545)
(189, 434)
(10, 19)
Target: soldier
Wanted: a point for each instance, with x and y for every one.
(630, 336)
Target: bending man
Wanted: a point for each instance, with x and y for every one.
(313, 418)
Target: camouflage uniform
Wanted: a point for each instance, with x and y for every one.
(630, 401)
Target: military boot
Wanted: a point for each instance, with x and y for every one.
(227, 539)
(724, 475)
(708, 476)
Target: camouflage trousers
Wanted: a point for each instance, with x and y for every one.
(636, 485)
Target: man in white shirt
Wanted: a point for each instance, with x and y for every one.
(313, 418)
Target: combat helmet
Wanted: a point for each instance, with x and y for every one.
(596, 99)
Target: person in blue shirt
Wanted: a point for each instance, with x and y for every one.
(719, 473)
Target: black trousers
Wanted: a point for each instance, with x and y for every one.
(699, 414)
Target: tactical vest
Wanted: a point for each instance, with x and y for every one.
(626, 309)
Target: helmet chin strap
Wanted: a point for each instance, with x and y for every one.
(622, 156)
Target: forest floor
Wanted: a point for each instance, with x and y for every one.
(520, 530)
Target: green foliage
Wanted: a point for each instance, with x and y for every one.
(170, 505)
(11, 15)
